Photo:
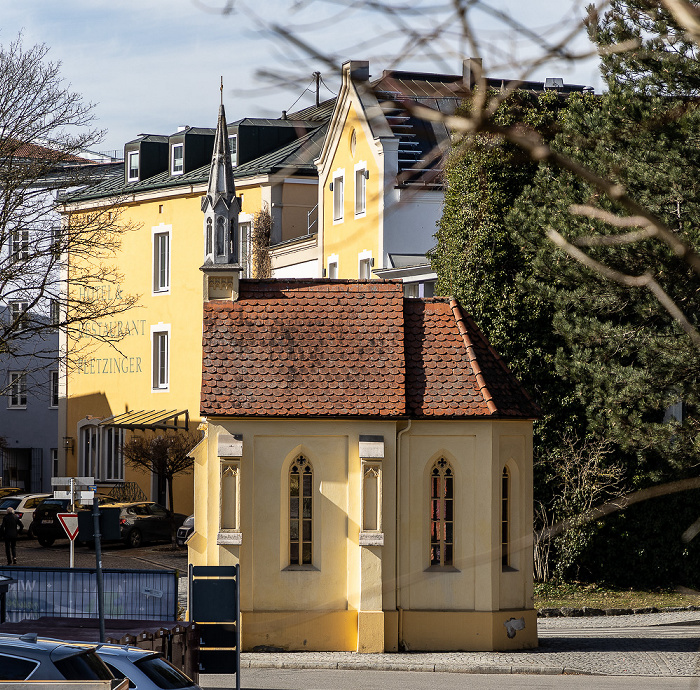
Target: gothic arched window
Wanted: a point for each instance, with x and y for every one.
(220, 236)
(300, 512)
(441, 513)
(209, 236)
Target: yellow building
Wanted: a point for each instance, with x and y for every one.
(150, 378)
(368, 463)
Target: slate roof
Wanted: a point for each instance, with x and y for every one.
(349, 348)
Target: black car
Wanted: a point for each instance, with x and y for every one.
(46, 526)
(140, 522)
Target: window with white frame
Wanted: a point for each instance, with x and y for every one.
(333, 270)
(233, 146)
(18, 312)
(19, 245)
(18, 389)
(54, 389)
(161, 259)
(133, 166)
(160, 362)
(338, 196)
(230, 492)
(178, 154)
(55, 312)
(112, 459)
(360, 189)
(89, 451)
(54, 462)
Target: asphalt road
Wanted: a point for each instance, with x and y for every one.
(150, 557)
(292, 679)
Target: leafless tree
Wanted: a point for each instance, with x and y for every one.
(165, 455)
(45, 131)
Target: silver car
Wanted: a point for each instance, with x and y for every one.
(28, 657)
(145, 670)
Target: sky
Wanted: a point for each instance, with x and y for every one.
(150, 66)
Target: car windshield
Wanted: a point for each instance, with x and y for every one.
(9, 503)
(84, 666)
(163, 673)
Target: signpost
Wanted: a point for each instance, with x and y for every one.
(69, 521)
(73, 494)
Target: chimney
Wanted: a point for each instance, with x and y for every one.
(357, 69)
(472, 71)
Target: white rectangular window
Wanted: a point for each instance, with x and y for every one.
(232, 142)
(89, 451)
(18, 312)
(160, 364)
(133, 166)
(365, 269)
(178, 159)
(54, 389)
(338, 198)
(19, 245)
(18, 389)
(54, 462)
(112, 459)
(333, 270)
(161, 261)
(360, 192)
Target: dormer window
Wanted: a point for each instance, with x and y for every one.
(233, 143)
(177, 159)
(133, 166)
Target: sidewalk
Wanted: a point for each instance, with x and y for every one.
(656, 644)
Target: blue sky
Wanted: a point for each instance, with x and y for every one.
(152, 65)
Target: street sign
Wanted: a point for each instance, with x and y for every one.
(70, 524)
(62, 494)
(65, 481)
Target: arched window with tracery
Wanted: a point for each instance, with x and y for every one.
(220, 236)
(209, 236)
(505, 518)
(300, 512)
(441, 513)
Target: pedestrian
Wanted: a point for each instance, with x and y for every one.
(10, 526)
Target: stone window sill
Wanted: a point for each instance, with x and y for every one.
(229, 538)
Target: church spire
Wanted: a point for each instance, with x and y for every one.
(220, 205)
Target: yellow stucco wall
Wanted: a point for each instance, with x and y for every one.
(355, 234)
(353, 597)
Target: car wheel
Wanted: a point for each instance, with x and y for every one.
(30, 532)
(46, 541)
(134, 539)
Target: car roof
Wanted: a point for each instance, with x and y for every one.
(23, 496)
(131, 653)
(30, 643)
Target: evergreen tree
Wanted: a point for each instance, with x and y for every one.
(604, 361)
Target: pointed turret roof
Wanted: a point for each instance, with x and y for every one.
(221, 184)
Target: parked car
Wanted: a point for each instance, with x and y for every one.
(144, 521)
(9, 490)
(185, 532)
(144, 669)
(24, 506)
(46, 526)
(28, 657)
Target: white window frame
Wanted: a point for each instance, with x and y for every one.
(95, 443)
(161, 268)
(54, 462)
(332, 264)
(19, 309)
(129, 167)
(233, 148)
(160, 371)
(111, 456)
(364, 258)
(53, 389)
(181, 169)
(338, 196)
(19, 245)
(361, 189)
(17, 393)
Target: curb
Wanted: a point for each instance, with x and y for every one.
(438, 667)
(587, 611)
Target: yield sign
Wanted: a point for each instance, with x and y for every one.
(70, 524)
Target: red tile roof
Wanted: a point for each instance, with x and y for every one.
(350, 348)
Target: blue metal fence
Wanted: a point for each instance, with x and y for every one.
(72, 593)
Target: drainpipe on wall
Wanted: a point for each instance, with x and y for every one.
(397, 560)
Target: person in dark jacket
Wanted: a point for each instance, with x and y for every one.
(10, 527)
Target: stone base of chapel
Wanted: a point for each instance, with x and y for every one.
(388, 631)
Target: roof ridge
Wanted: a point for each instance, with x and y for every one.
(471, 354)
